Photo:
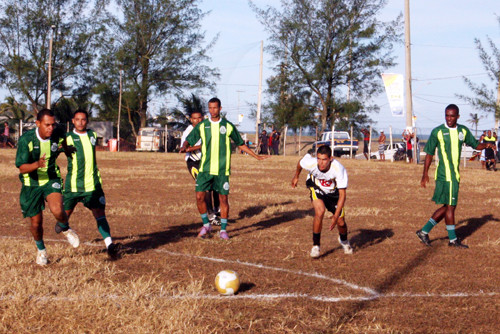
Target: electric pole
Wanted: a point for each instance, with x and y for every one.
(49, 74)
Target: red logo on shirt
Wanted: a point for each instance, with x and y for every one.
(325, 183)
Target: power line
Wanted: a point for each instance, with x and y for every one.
(452, 77)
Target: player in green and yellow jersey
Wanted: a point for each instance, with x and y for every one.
(36, 156)
(448, 139)
(215, 167)
(83, 181)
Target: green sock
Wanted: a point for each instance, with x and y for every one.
(429, 225)
(39, 244)
(103, 227)
(63, 226)
(204, 219)
(451, 232)
(223, 224)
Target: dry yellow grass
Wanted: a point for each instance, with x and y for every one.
(165, 284)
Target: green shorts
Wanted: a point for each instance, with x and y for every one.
(207, 182)
(92, 199)
(32, 198)
(446, 192)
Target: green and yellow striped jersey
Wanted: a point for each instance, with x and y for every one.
(216, 145)
(448, 142)
(30, 148)
(83, 174)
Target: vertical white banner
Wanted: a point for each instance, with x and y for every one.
(394, 87)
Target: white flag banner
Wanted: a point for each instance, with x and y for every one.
(240, 118)
(394, 87)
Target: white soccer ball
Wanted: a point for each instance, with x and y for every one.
(227, 282)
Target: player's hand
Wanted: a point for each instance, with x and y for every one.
(182, 150)
(69, 150)
(335, 218)
(424, 181)
(295, 181)
(41, 161)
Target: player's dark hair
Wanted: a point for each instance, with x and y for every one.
(215, 100)
(324, 150)
(81, 111)
(452, 107)
(44, 112)
(196, 111)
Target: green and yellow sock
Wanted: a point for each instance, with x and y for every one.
(429, 225)
(223, 224)
(451, 232)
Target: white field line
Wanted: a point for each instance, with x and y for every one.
(372, 293)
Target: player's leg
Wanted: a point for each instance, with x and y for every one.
(342, 228)
(203, 184)
(224, 214)
(319, 213)
(441, 196)
(55, 203)
(36, 230)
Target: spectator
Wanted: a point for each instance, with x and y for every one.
(483, 157)
(381, 145)
(275, 135)
(366, 142)
(263, 142)
(6, 136)
(490, 153)
(407, 136)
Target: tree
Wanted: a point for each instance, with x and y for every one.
(484, 98)
(474, 120)
(25, 30)
(16, 111)
(331, 45)
(179, 118)
(158, 44)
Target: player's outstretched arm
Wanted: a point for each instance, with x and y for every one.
(295, 179)
(425, 175)
(184, 147)
(247, 150)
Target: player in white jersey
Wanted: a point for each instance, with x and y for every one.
(327, 183)
(193, 157)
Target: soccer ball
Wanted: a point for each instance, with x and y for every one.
(227, 282)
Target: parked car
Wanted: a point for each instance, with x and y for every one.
(396, 151)
(342, 143)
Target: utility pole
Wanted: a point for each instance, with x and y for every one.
(408, 95)
(119, 112)
(49, 74)
(259, 99)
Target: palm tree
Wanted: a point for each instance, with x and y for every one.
(15, 111)
(474, 120)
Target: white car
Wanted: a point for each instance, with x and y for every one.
(396, 151)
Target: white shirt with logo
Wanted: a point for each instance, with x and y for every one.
(195, 155)
(335, 177)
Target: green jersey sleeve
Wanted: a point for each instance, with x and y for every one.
(22, 154)
(236, 137)
(432, 143)
(469, 139)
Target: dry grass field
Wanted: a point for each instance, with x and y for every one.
(164, 283)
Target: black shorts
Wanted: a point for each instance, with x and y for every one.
(365, 148)
(193, 167)
(330, 199)
(489, 154)
(409, 153)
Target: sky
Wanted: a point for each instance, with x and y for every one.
(443, 51)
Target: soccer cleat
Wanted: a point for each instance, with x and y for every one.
(423, 237)
(315, 252)
(223, 235)
(72, 238)
(204, 231)
(346, 246)
(114, 251)
(41, 258)
(457, 244)
(214, 220)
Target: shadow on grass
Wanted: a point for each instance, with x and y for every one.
(364, 238)
(257, 209)
(467, 227)
(281, 218)
(246, 287)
